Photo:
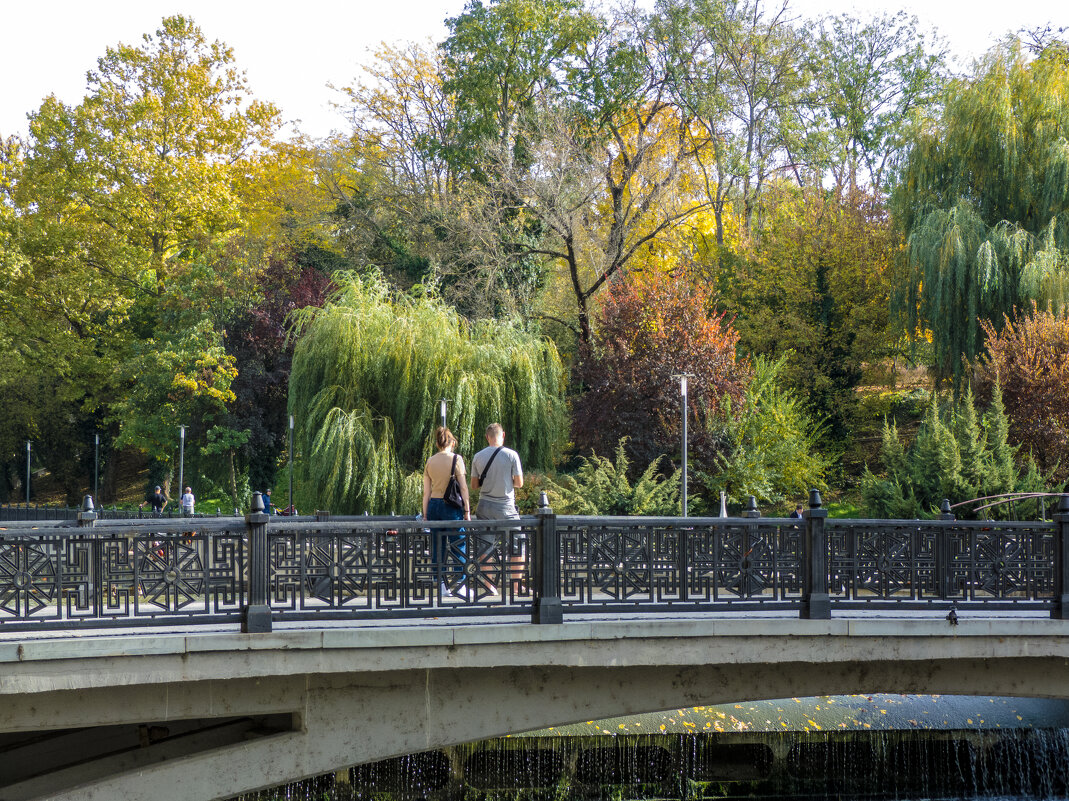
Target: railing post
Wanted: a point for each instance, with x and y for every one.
(942, 551)
(546, 567)
(256, 616)
(87, 518)
(1060, 609)
(816, 603)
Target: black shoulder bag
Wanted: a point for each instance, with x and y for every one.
(453, 495)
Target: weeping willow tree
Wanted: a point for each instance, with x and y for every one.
(984, 202)
(368, 371)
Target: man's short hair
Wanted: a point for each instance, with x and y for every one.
(157, 489)
(493, 430)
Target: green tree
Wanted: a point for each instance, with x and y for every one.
(132, 206)
(984, 203)
(500, 57)
(391, 179)
(771, 444)
(952, 457)
(368, 372)
(743, 71)
(149, 165)
(876, 75)
(816, 287)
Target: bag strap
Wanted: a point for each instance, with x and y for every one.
(486, 469)
(453, 469)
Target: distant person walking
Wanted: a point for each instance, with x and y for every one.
(187, 501)
(448, 549)
(158, 501)
(269, 508)
(497, 473)
(797, 513)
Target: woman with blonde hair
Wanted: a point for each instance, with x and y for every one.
(438, 473)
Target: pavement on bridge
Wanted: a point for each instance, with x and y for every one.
(11, 635)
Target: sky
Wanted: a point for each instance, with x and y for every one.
(291, 52)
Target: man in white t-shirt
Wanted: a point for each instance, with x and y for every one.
(496, 473)
(187, 502)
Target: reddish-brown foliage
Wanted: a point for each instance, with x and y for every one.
(1029, 358)
(652, 328)
(257, 340)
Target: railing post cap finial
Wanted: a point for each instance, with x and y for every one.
(944, 507)
(257, 502)
(1063, 504)
(543, 503)
(87, 503)
(815, 501)
(751, 510)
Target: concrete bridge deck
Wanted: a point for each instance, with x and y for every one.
(211, 712)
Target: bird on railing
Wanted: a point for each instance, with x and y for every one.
(952, 616)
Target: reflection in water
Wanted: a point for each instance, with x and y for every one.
(842, 747)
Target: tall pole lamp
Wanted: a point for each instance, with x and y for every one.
(291, 464)
(683, 393)
(181, 460)
(96, 466)
(442, 403)
(27, 472)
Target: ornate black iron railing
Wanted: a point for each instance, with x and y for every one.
(675, 562)
(881, 561)
(57, 577)
(263, 569)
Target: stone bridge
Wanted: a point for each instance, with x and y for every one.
(207, 712)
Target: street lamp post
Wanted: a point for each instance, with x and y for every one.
(442, 409)
(27, 472)
(181, 460)
(683, 393)
(96, 466)
(290, 507)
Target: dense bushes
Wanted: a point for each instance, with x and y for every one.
(1029, 360)
(602, 487)
(957, 455)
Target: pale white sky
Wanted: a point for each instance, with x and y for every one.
(291, 52)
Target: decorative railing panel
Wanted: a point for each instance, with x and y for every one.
(123, 576)
(385, 568)
(923, 562)
(613, 562)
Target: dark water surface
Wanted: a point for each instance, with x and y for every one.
(830, 747)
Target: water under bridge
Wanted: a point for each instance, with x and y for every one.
(211, 656)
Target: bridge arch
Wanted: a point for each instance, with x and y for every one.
(234, 712)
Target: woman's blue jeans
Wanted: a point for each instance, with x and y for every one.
(449, 546)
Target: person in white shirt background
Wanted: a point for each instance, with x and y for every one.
(187, 502)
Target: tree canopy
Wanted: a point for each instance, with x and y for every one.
(369, 370)
(984, 202)
(689, 186)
